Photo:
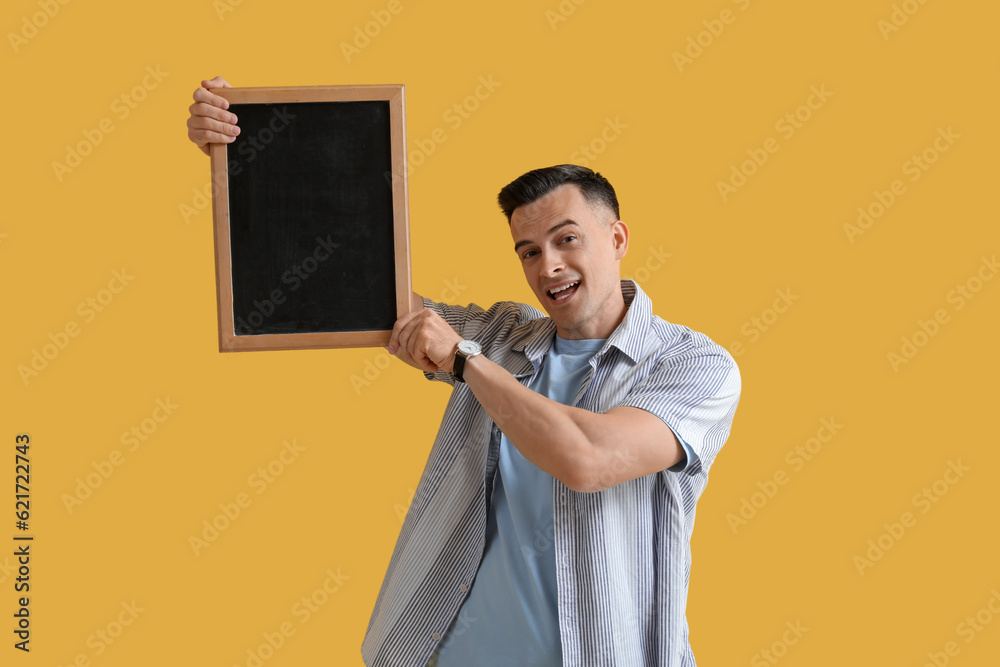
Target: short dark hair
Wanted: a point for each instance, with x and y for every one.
(539, 182)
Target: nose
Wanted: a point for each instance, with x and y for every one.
(551, 264)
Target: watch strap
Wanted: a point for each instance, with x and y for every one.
(458, 366)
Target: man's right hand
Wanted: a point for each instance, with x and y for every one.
(210, 122)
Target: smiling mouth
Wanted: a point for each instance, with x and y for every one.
(564, 292)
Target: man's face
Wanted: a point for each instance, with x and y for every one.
(570, 251)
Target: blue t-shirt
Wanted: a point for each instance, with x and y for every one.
(511, 614)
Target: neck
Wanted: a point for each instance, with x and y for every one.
(604, 322)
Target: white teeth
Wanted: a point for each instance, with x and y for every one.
(556, 291)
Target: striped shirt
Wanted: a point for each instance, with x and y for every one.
(623, 554)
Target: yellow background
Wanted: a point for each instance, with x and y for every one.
(338, 506)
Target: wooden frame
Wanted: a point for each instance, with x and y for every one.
(226, 228)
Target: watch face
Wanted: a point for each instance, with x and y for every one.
(468, 347)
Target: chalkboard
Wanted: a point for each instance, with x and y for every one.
(311, 223)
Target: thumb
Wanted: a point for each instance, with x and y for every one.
(217, 82)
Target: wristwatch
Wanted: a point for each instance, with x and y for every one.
(466, 350)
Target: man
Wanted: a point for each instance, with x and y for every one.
(552, 523)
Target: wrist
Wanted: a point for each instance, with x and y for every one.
(464, 352)
(472, 366)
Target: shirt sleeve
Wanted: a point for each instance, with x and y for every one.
(485, 326)
(696, 396)
(690, 458)
(456, 317)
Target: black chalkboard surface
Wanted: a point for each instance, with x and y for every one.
(312, 241)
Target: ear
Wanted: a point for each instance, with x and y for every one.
(619, 236)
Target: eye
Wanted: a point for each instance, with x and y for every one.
(569, 238)
(528, 254)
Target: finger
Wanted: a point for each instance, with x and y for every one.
(400, 348)
(200, 125)
(397, 329)
(217, 82)
(203, 130)
(205, 137)
(412, 357)
(207, 96)
(206, 110)
(408, 345)
(415, 344)
(405, 343)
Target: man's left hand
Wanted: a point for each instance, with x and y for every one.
(424, 340)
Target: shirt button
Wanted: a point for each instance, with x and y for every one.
(436, 636)
(566, 560)
(463, 588)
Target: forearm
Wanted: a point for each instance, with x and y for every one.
(553, 436)
(586, 451)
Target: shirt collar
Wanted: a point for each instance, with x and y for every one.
(629, 337)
